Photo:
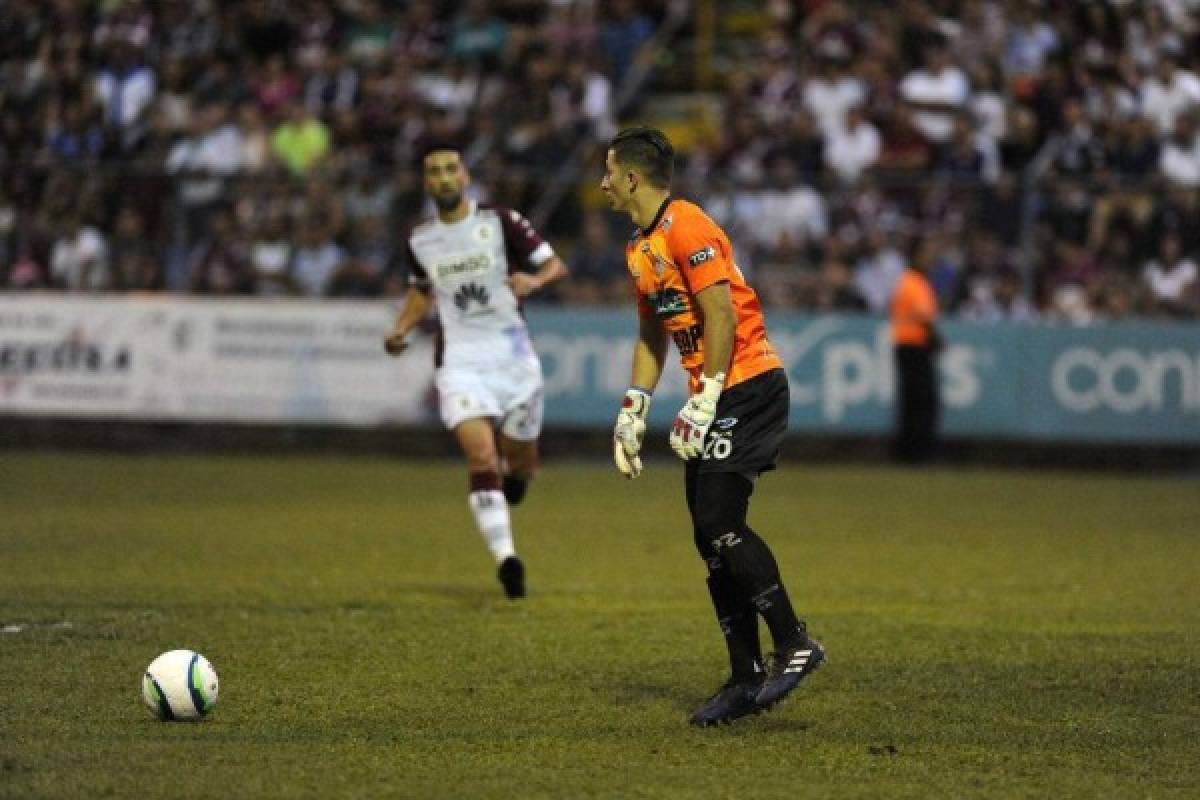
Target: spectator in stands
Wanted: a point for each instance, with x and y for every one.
(1168, 92)
(1172, 279)
(75, 133)
(799, 140)
(271, 257)
(1179, 160)
(302, 141)
(125, 88)
(317, 259)
(421, 35)
(219, 263)
(79, 257)
(478, 35)
(836, 291)
(374, 248)
(1031, 41)
(202, 162)
(962, 157)
(598, 273)
(255, 136)
(791, 217)
(854, 148)
(624, 37)
(878, 270)
(906, 151)
(135, 264)
(936, 93)
(833, 90)
(369, 195)
(332, 85)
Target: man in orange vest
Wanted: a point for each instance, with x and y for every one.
(916, 340)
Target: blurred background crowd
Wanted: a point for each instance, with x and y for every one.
(1050, 149)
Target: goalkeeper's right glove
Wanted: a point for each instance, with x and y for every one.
(628, 433)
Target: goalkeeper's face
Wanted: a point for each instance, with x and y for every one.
(618, 183)
(445, 179)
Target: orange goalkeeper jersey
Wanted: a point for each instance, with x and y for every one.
(679, 255)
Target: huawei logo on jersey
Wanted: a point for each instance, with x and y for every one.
(471, 293)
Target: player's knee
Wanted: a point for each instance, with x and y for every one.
(482, 459)
(711, 521)
(721, 504)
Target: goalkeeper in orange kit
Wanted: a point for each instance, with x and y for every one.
(729, 431)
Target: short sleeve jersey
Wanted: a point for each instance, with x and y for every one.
(466, 265)
(682, 253)
(914, 309)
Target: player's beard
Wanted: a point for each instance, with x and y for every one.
(447, 202)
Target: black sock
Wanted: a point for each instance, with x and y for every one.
(739, 625)
(514, 488)
(753, 566)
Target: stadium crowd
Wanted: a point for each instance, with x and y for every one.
(1051, 149)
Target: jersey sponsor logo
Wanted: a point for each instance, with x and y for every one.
(661, 265)
(687, 340)
(470, 293)
(703, 254)
(725, 423)
(471, 265)
(668, 303)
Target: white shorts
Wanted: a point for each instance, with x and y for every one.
(508, 391)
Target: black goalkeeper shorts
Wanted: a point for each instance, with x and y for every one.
(749, 426)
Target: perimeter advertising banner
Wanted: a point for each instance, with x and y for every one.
(321, 362)
(192, 359)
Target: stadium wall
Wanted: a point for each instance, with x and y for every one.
(319, 364)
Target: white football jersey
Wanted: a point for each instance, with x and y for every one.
(466, 265)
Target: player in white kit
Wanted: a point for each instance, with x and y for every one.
(476, 262)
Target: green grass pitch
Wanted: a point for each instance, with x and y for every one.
(990, 634)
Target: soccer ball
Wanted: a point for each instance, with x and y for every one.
(180, 685)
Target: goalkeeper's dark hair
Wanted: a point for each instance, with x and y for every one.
(647, 149)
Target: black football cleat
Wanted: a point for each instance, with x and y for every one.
(734, 700)
(785, 669)
(512, 577)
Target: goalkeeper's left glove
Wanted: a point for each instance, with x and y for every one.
(696, 417)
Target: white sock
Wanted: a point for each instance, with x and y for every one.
(491, 517)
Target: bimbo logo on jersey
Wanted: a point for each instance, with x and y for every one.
(471, 265)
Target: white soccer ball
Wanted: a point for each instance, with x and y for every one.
(180, 685)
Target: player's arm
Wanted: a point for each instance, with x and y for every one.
(525, 245)
(720, 321)
(649, 355)
(720, 324)
(706, 262)
(526, 283)
(416, 304)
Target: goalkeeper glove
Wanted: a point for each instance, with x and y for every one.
(696, 417)
(627, 435)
